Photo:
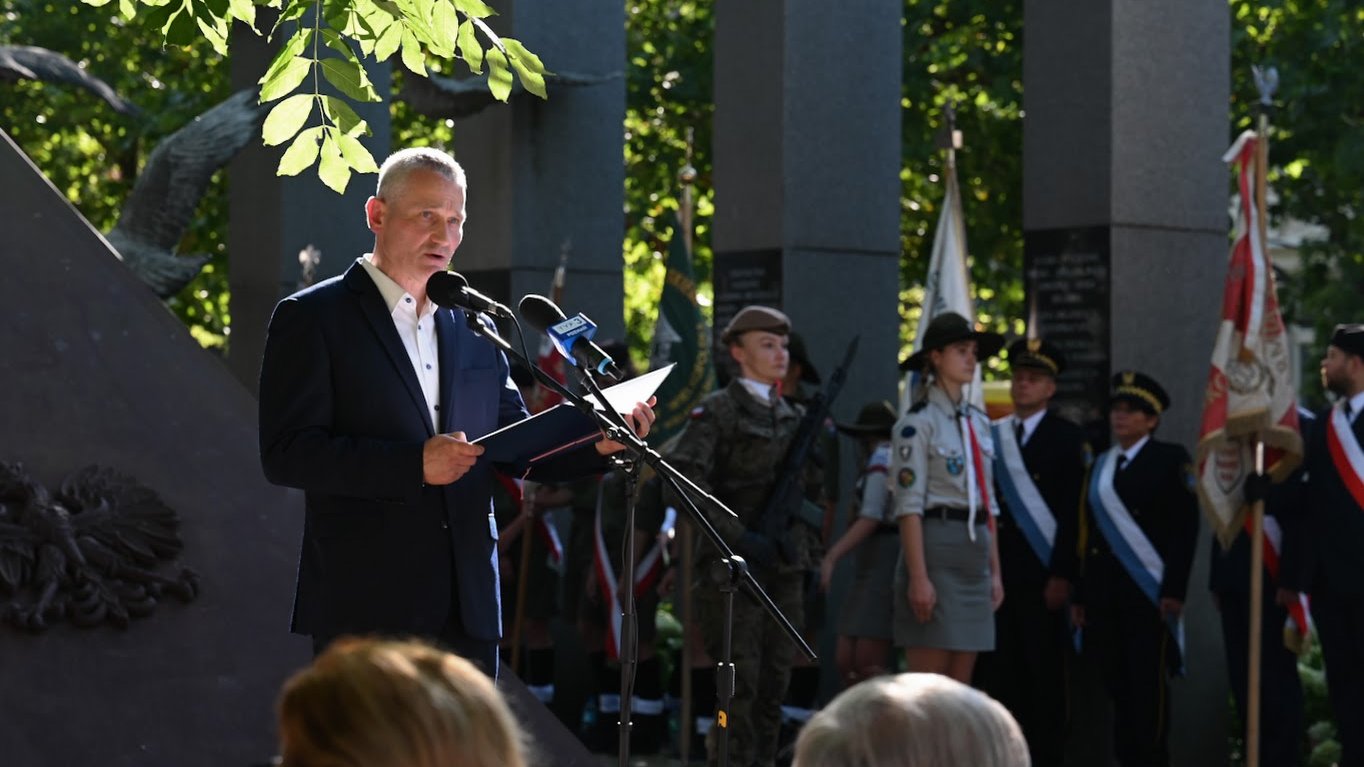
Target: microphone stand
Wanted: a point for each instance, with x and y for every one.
(730, 572)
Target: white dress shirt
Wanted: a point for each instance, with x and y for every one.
(417, 332)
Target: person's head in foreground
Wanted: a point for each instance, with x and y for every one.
(912, 720)
(374, 703)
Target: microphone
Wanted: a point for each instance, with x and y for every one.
(451, 290)
(571, 336)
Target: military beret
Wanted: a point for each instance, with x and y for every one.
(755, 318)
(1349, 338)
(1140, 390)
(1036, 354)
(946, 329)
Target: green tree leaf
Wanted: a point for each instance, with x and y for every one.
(475, 9)
(244, 10)
(356, 154)
(332, 167)
(345, 118)
(349, 78)
(527, 66)
(286, 79)
(413, 58)
(444, 29)
(301, 154)
(286, 118)
(295, 46)
(499, 75)
(388, 42)
(470, 49)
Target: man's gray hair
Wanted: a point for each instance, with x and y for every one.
(912, 720)
(401, 163)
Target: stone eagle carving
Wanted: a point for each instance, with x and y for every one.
(27, 62)
(88, 555)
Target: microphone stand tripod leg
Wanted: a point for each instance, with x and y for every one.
(727, 573)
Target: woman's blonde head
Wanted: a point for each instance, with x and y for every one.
(912, 720)
(372, 703)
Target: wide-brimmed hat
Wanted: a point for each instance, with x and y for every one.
(947, 329)
(1036, 354)
(874, 419)
(1139, 389)
(800, 355)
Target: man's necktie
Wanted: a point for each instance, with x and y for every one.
(1018, 432)
(1122, 460)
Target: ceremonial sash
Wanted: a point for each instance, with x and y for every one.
(1298, 612)
(977, 490)
(1128, 542)
(544, 527)
(1346, 454)
(647, 571)
(1026, 504)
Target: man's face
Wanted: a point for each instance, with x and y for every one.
(1337, 368)
(418, 229)
(762, 356)
(955, 362)
(1031, 389)
(1129, 422)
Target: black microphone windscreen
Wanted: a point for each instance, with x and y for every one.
(444, 288)
(540, 312)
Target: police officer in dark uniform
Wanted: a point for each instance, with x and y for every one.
(1140, 528)
(1281, 701)
(1334, 536)
(1040, 460)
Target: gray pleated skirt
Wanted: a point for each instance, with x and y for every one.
(960, 571)
(867, 607)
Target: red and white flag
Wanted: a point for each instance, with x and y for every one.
(549, 359)
(1250, 390)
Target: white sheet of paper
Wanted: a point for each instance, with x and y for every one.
(623, 396)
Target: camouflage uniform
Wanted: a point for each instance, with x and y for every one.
(733, 447)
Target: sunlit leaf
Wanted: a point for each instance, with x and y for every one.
(470, 49)
(301, 154)
(286, 118)
(413, 58)
(332, 167)
(356, 154)
(286, 79)
(499, 75)
(349, 78)
(345, 118)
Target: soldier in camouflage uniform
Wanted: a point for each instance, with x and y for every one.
(733, 447)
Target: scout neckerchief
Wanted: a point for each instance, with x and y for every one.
(977, 492)
(1346, 453)
(1129, 544)
(646, 572)
(1029, 509)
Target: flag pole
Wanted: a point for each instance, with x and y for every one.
(1265, 82)
(687, 178)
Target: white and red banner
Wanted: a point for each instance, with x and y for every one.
(1250, 393)
(1346, 453)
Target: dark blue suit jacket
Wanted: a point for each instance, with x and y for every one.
(342, 417)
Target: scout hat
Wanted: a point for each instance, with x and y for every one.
(874, 419)
(946, 329)
(1036, 354)
(755, 318)
(1349, 338)
(799, 355)
(1140, 390)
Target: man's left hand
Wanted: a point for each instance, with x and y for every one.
(640, 420)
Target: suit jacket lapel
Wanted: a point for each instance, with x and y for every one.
(447, 340)
(381, 322)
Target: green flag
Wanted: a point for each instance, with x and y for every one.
(682, 335)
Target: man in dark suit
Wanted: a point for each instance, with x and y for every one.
(1141, 527)
(369, 395)
(1039, 471)
(1332, 543)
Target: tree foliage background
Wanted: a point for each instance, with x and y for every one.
(966, 52)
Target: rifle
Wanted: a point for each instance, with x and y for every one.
(788, 493)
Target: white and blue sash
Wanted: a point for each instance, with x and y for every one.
(1029, 509)
(1125, 538)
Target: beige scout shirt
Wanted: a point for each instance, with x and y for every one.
(928, 458)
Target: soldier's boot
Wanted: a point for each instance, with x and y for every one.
(650, 724)
(540, 673)
(702, 708)
(603, 735)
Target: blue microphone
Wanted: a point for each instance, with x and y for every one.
(572, 336)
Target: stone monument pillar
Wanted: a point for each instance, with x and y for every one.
(273, 218)
(1126, 236)
(807, 189)
(550, 174)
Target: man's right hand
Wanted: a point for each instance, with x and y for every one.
(447, 457)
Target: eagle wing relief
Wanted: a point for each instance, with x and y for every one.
(88, 556)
